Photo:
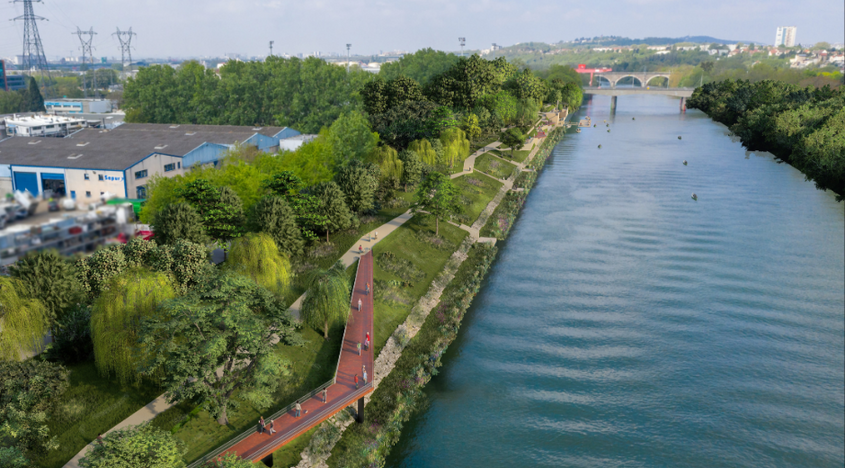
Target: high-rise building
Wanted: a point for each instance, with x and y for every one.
(786, 36)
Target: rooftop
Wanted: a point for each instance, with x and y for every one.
(39, 120)
(122, 147)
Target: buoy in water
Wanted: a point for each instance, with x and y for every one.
(679, 137)
(685, 162)
(695, 197)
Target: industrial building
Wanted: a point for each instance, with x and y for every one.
(11, 82)
(121, 161)
(43, 125)
(78, 106)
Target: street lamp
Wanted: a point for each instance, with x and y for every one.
(463, 42)
(348, 46)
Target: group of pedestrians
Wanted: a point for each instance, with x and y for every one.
(271, 429)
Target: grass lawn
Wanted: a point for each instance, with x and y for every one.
(494, 166)
(400, 204)
(417, 258)
(92, 405)
(476, 193)
(312, 365)
(518, 156)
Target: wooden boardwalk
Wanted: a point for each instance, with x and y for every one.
(343, 392)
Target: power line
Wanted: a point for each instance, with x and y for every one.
(86, 52)
(33, 50)
(125, 39)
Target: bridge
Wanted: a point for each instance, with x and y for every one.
(341, 390)
(682, 93)
(674, 92)
(607, 77)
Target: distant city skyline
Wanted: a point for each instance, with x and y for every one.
(178, 28)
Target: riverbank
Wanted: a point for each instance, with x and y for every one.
(415, 350)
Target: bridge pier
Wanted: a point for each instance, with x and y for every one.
(360, 415)
(613, 104)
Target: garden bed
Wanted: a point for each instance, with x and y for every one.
(494, 166)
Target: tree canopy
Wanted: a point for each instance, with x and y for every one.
(217, 339)
(28, 390)
(327, 298)
(438, 196)
(141, 446)
(256, 256)
(24, 321)
(421, 66)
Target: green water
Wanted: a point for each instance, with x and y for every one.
(626, 325)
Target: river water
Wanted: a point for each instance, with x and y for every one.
(625, 324)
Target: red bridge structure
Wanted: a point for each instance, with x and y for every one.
(256, 446)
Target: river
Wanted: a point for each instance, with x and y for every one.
(626, 325)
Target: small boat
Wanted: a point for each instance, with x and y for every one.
(685, 162)
(599, 146)
(633, 118)
(594, 125)
(695, 197)
(679, 137)
(577, 130)
(608, 130)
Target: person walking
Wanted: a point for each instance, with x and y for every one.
(360, 248)
(368, 289)
(272, 427)
(261, 425)
(359, 348)
(376, 235)
(356, 381)
(367, 344)
(325, 394)
(365, 376)
(359, 305)
(298, 409)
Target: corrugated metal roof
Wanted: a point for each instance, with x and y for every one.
(121, 147)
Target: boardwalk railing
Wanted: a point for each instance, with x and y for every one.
(346, 327)
(241, 437)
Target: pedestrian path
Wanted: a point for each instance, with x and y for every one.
(256, 445)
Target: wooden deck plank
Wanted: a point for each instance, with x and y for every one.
(340, 395)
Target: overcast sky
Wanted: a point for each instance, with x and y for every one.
(182, 28)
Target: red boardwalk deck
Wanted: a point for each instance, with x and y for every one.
(343, 392)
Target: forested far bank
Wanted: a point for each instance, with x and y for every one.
(802, 126)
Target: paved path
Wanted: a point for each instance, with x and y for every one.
(343, 392)
(469, 162)
(160, 404)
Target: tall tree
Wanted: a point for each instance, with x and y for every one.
(388, 162)
(179, 221)
(512, 138)
(256, 256)
(421, 66)
(351, 138)
(332, 207)
(327, 298)
(95, 272)
(13, 457)
(220, 208)
(217, 340)
(28, 391)
(274, 217)
(438, 196)
(411, 168)
(116, 317)
(359, 181)
(50, 278)
(141, 446)
(25, 321)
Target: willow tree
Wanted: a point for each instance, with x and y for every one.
(327, 298)
(23, 321)
(425, 151)
(116, 318)
(256, 256)
(388, 161)
(455, 146)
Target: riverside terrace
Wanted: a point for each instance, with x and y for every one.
(120, 161)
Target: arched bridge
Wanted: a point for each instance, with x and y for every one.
(641, 79)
